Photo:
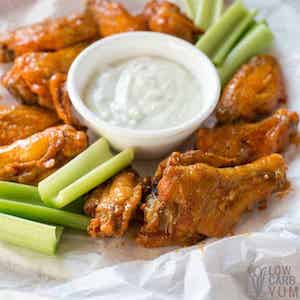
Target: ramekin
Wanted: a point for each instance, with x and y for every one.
(147, 143)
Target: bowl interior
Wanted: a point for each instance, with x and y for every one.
(130, 45)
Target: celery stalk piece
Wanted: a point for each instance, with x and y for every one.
(204, 13)
(86, 161)
(253, 43)
(93, 178)
(233, 38)
(191, 8)
(28, 234)
(30, 195)
(21, 192)
(214, 37)
(217, 11)
(44, 214)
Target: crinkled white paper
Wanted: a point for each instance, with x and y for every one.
(235, 268)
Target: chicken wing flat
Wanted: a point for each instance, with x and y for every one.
(48, 35)
(21, 121)
(113, 18)
(28, 79)
(113, 204)
(34, 158)
(166, 17)
(61, 100)
(200, 200)
(243, 143)
(255, 90)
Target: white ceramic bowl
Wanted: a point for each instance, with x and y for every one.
(147, 143)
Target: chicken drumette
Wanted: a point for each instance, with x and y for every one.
(21, 121)
(113, 204)
(49, 35)
(256, 90)
(200, 200)
(34, 158)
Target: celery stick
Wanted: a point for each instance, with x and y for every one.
(253, 43)
(232, 39)
(191, 8)
(213, 38)
(204, 13)
(79, 166)
(28, 234)
(17, 191)
(30, 195)
(93, 178)
(44, 214)
(217, 11)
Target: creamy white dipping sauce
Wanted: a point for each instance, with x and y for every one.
(144, 93)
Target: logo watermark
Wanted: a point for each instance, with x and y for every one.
(272, 282)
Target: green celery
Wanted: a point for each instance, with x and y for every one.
(208, 13)
(191, 8)
(210, 42)
(85, 162)
(233, 38)
(253, 43)
(30, 195)
(28, 234)
(93, 178)
(43, 214)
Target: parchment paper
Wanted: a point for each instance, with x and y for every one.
(117, 268)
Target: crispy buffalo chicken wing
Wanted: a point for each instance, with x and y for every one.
(166, 17)
(34, 158)
(21, 121)
(49, 35)
(113, 18)
(113, 204)
(256, 90)
(243, 143)
(200, 200)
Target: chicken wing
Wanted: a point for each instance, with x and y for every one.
(29, 77)
(243, 143)
(255, 90)
(113, 18)
(113, 204)
(48, 35)
(61, 100)
(21, 121)
(34, 158)
(166, 17)
(200, 200)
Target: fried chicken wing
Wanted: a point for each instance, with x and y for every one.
(166, 17)
(113, 18)
(29, 77)
(61, 100)
(113, 204)
(243, 143)
(21, 121)
(34, 158)
(49, 35)
(255, 90)
(200, 200)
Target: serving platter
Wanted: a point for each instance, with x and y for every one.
(95, 268)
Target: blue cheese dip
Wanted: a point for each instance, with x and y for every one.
(144, 93)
